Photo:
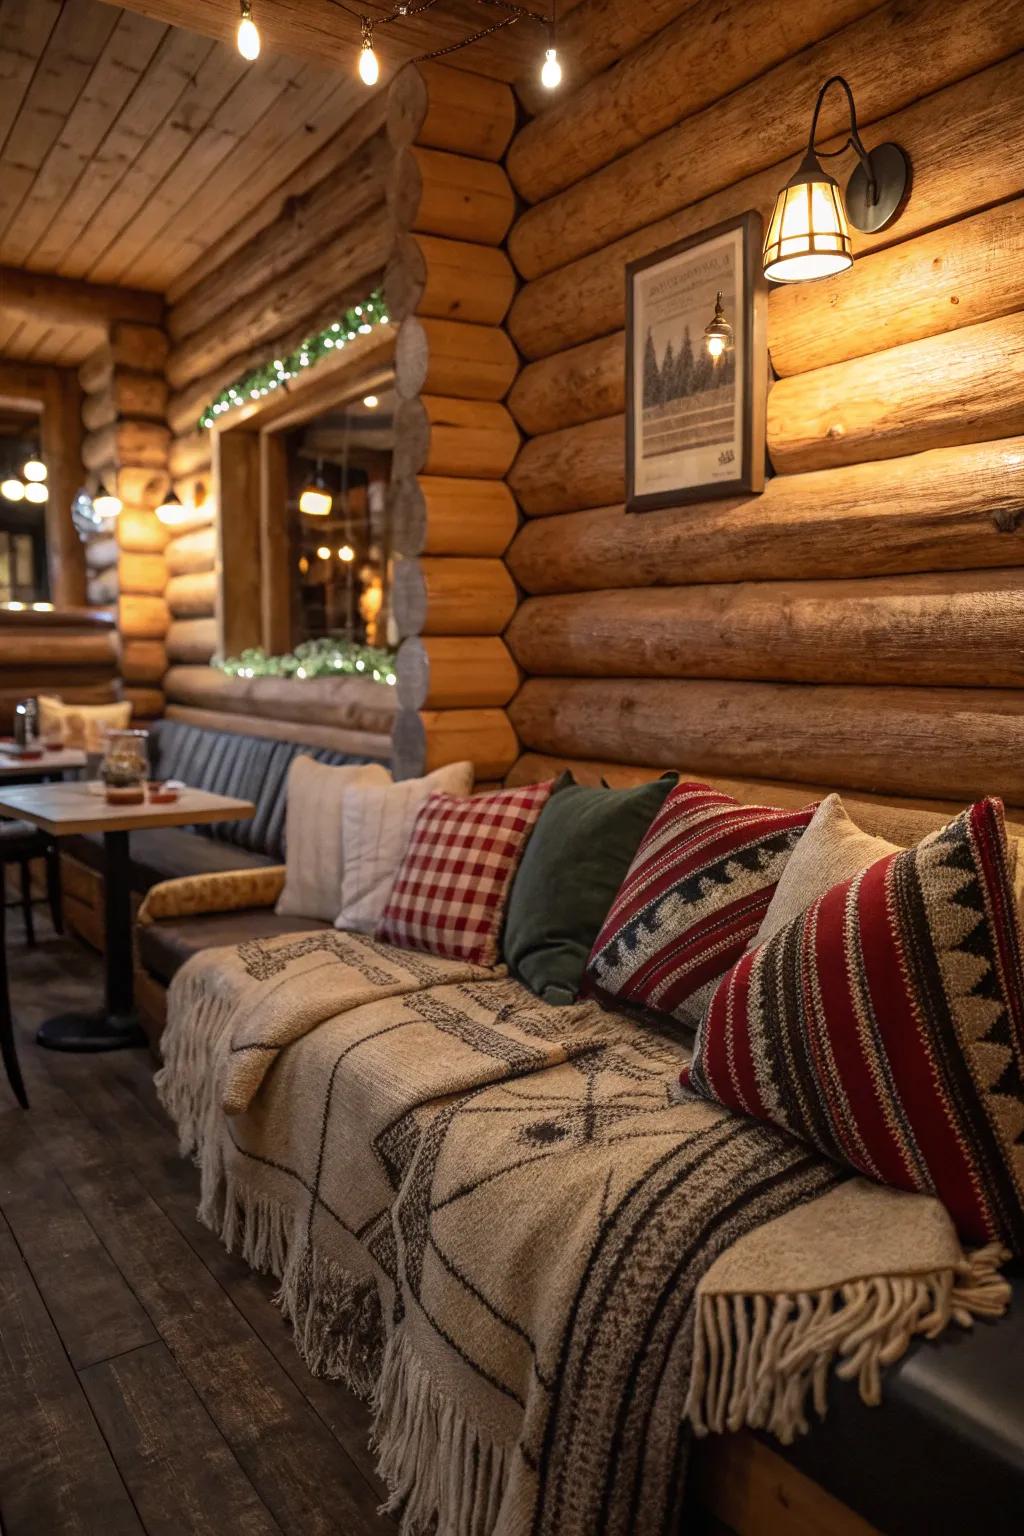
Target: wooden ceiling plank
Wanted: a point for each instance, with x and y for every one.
(76, 42)
(25, 27)
(24, 340)
(256, 94)
(204, 92)
(177, 59)
(320, 29)
(122, 64)
(9, 327)
(260, 163)
(79, 341)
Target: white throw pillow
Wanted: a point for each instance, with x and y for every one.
(314, 839)
(377, 825)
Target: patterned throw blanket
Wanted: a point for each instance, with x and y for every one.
(504, 1223)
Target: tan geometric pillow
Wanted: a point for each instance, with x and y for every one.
(81, 726)
(831, 849)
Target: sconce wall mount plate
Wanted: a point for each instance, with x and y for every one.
(891, 170)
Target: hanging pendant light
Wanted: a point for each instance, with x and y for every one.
(315, 500)
(12, 489)
(369, 67)
(36, 491)
(172, 510)
(551, 69)
(809, 233)
(34, 468)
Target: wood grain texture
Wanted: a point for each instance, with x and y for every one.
(956, 629)
(961, 387)
(193, 596)
(142, 618)
(948, 509)
(939, 742)
(145, 573)
(428, 739)
(191, 641)
(447, 515)
(448, 280)
(439, 107)
(663, 81)
(435, 193)
(353, 702)
(446, 672)
(452, 596)
(573, 468)
(335, 738)
(140, 532)
(891, 57)
(147, 703)
(447, 357)
(962, 160)
(143, 661)
(570, 388)
(190, 553)
(440, 436)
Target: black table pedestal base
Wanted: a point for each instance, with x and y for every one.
(91, 1032)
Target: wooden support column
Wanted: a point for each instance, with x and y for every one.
(236, 477)
(452, 514)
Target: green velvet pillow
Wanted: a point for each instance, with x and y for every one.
(574, 863)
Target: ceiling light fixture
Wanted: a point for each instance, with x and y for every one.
(809, 233)
(34, 468)
(315, 500)
(36, 492)
(248, 36)
(12, 489)
(172, 510)
(371, 402)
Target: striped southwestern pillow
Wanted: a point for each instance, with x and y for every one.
(694, 897)
(885, 1025)
(450, 893)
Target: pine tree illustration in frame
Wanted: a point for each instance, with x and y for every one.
(695, 404)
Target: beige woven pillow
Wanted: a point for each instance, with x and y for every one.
(83, 726)
(314, 834)
(832, 849)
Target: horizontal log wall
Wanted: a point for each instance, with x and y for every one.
(856, 625)
(124, 401)
(452, 515)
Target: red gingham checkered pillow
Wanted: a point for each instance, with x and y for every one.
(449, 894)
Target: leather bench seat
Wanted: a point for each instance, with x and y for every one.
(165, 946)
(945, 1451)
(164, 853)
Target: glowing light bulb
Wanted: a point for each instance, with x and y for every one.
(172, 510)
(35, 469)
(371, 402)
(105, 503)
(248, 34)
(323, 553)
(13, 490)
(36, 492)
(369, 67)
(346, 553)
(551, 70)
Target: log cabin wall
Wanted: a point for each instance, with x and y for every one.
(449, 284)
(125, 447)
(317, 244)
(857, 625)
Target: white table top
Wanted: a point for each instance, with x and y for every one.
(62, 760)
(64, 809)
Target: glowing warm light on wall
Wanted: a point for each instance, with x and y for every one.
(809, 235)
(172, 510)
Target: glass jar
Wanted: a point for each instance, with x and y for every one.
(125, 767)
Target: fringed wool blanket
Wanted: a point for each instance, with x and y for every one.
(503, 1222)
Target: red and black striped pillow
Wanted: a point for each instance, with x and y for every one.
(693, 898)
(885, 1025)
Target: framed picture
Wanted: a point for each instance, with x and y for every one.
(696, 368)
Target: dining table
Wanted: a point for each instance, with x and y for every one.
(43, 763)
(66, 810)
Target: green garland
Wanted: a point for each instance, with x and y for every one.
(359, 320)
(314, 658)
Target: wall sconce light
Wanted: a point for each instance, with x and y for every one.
(718, 335)
(172, 510)
(315, 500)
(809, 232)
(105, 503)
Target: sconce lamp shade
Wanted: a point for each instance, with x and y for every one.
(106, 503)
(315, 499)
(808, 235)
(171, 510)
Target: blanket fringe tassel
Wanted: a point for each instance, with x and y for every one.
(759, 1358)
(436, 1464)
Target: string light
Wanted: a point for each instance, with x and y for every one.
(369, 68)
(323, 553)
(551, 70)
(346, 553)
(371, 402)
(248, 36)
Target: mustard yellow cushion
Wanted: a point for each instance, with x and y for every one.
(82, 726)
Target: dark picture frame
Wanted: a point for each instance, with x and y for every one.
(695, 427)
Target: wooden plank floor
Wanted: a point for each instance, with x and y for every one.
(147, 1382)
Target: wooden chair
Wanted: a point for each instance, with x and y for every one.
(19, 844)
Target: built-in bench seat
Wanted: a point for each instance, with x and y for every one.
(224, 762)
